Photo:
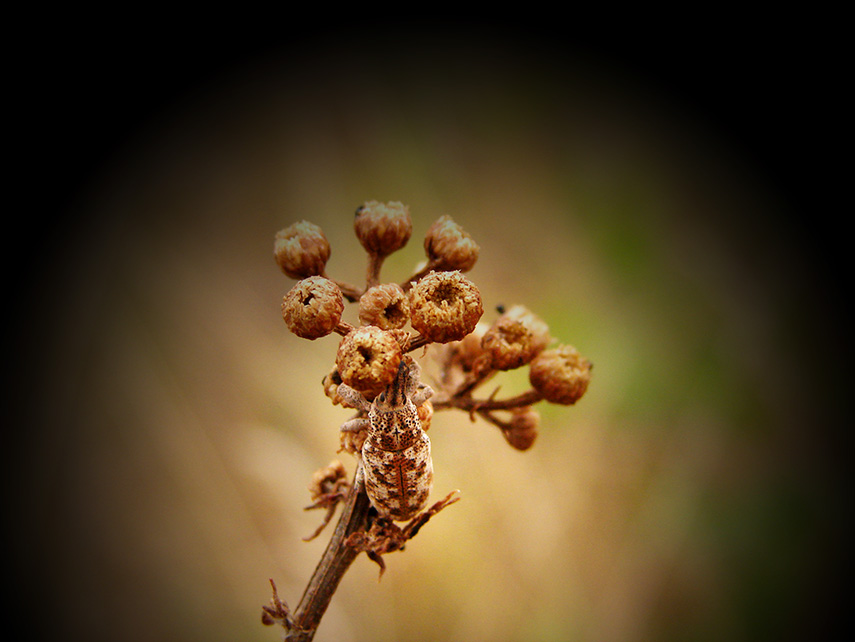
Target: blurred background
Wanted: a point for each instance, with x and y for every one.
(164, 424)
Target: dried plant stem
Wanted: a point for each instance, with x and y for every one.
(336, 559)
(343, 328)
(375, 262)
(416, 342)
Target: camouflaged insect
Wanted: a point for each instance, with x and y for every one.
(397, 467)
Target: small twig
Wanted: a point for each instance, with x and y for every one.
(343, 328)
(416, 342)
(375, 262)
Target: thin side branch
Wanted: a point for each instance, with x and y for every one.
(470, 404)
(375, 262)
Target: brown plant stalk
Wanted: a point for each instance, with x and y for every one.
(337, 558)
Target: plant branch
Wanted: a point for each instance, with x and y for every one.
(470, 404)
(375, 262)
(430, 265)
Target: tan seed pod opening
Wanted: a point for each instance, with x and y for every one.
(445, 306)
(313, 307)
(367, 359)
(386, 306)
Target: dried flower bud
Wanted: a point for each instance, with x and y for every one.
(445, 306)
(313, 307)
(464, 354)
(331, 382)
(301, 250)
(368, 359)
(521, 431)
(425, 412)
(385, 306)
(515, 338)
(383, 228)
(560, 375)
(449, 247)
(329, 479)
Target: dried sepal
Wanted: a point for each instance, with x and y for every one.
(313, 307)
(449, 247)
(383, 228)
(386, 306)
(445, 306)
(367, 359)
(561, 375)
(516, 337)
(301, 250)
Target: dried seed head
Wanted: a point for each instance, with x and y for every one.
(515, 338)
(368, 359)
(313, 307)
(383, 228)
(449, 247)
(385, 306)
(445, 306)
(561, 375)
(521, 431)
(301, 250)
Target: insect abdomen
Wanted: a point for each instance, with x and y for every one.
(398, 482)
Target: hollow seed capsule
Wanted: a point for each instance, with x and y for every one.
(515, 338)
(383, 228)
(313, 307)
(445, 306)
(301, 250)
(449, 247)
(561, 375)
(367, 359)
(386, 306)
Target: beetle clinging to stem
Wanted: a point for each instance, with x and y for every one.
(396, 465)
